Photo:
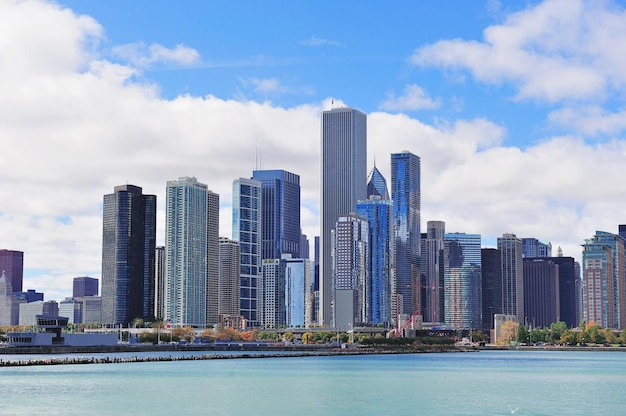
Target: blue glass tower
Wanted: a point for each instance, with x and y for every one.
(378, 213)
(462, 280)
(128, 250)
(406, 196)
(280, 196)
(247, 223)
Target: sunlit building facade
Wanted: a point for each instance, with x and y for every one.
(511, 252)
(463, 280)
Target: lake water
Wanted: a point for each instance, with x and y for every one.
(481, 383)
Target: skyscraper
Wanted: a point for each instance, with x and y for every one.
(128, 242)
(297, 274)
(190, 212)
(84, 286)
(12, 264)
(377, 185)
(380, 284)
(159, 282)
(271, 299)
(350, 270)
(604, 280)
(228, 303)
(541, 292)
(462, 280)
(247, 226)
(432, 272)
(512, 276)
(280, 203)
(491, 269)
(343, 174)
(406, 196)
(532, 248)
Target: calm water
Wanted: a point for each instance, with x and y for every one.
(484, 383)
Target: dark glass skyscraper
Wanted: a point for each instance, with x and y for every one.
(280, 194)
(491, 264)
(12, 264)
(406, 196)
(84, 286)
(128, 244)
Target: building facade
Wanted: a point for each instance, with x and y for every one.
(432, 293)
(280, 195)
(541, 293)
(247, 226)
(343, 174)
(190, 208)
(380, 283)
(159, 282)
(462, 280)
(228, 303)
(491, 270)
(510, 248)
(12, 264)
(532, 248)
(84, 286)
(406, 196)
(128, 242)
(604, 280)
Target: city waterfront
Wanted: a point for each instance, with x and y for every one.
(483, 383)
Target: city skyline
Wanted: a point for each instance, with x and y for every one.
(96, 97)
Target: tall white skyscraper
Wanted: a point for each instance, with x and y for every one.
(192, 216)
(343, 183)
(228, 303)
(247, 230)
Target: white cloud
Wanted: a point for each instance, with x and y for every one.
(556, 50)
(590, 120)
(272, 86)
(315, 41)
(142, 56)
(414, 98)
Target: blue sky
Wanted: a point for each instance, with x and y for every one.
(516, 109)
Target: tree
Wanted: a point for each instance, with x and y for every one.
(508, 332)
(186, 333)
(556, 330)
(288, 336)
(569, 337)
(523, 335)
(622, 337)
(306, 338)
(609, 336)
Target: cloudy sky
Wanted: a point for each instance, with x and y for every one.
(516, 108)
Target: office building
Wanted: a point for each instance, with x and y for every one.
(532, 248)
(541, 292)
(491, 269)
(191, 215)
(9, 304)
(569, 282)
(377, 185)
(159, 282)
(228, 303)
(29, 311)
(380, 284)
(128, 241)
(298, 296)
(212, 258)
(280, 212)
(510, 248)
(350, 258)
(406, 196)
(247, 226)
(12, 264)
(271, 290)
(84, 286)
(462, 280)
(604, 279)
(431, 268)
(343, 173)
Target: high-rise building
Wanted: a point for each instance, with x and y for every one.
(380, 284)
(271, 299)
(604, 280)
(191, 218)
(377, 185)
(315, 284)
(532, 248)
(9, 304)
(212, 258)
(228, 303)
(304, 247)
(12, 264)
(297, 274)
(432, 272)
(512, 276)
(462, 280)
(247, 226)
(569, 280)
(491, 266)
(541, 292)
(84, 286)
(159, 282)
(280, 201)
(349, 257)
(343, 173)
(406, 196)
(128, 241)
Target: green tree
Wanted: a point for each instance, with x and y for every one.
(288, 336)
(523, 335)
(569, 337)
(307, 338)
(609, 336)
(622, 337)
(556, 331)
